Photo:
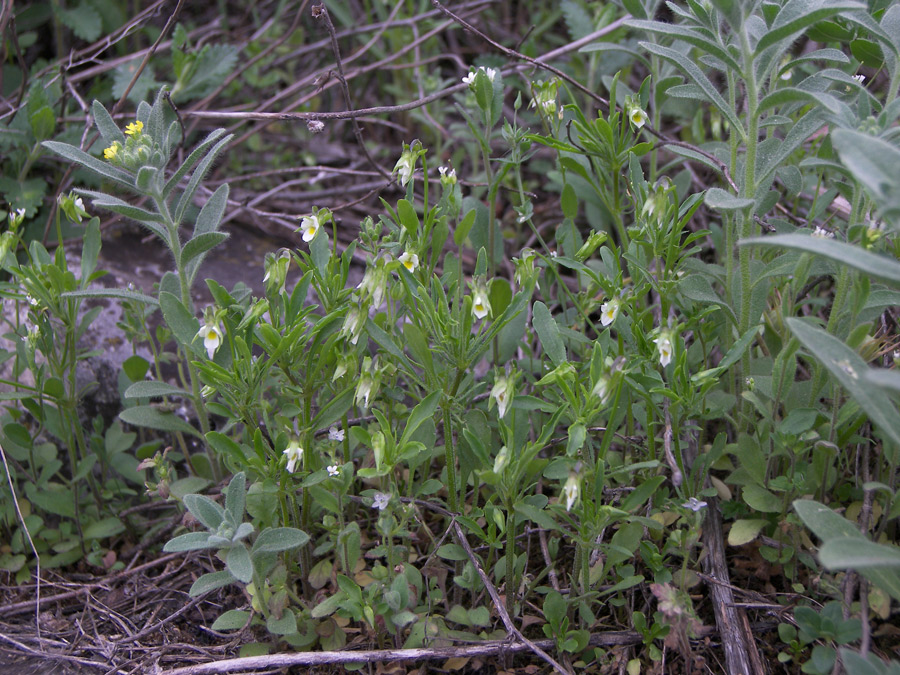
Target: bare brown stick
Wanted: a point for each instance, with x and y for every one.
(321, 12)
(337, 115)
(499, 605)
(512, 53)
(607, 639)
(737, 641)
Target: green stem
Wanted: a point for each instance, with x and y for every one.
(450, 457)
(510, 558)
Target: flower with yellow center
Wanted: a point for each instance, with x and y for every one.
(309, 226)
(294, 454)
(638, 117)
(212, 337)
(134, 128)
(410, 261)
(481, 307)
(609, 311)
(664, 347)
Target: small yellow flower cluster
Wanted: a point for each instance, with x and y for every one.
(135, 152)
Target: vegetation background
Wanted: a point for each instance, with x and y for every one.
(542, 337)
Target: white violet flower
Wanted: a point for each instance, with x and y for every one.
(609, 311)
(694, 504)
(310, 227)
(502, 392)
(481, 307)
(448, 175)
(470, 78)
(409, 260)
(381, 500)
(571, 491)
(335, 434)
(211, 332)
(664, 347)
(294, 454)
(822, 233)
(334, 470)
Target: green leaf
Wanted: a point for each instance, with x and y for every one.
(211, 582)
(548, 333)
(120, 293)
(238, 562)
(641, 494)
(846, 366)
(696, 287)
(719, 199)
(745, 530)
(409, 219)
(103, 529)
(823, 521)
(569, 202)
(148, 219)
(204, 509)
(43, 123)
(235, 495)
(886, 379)
(181, 322)
(760, 499)
(152, 388)
(201, 244)
(856, 553)
(79, 156)
(462, 229)
(83, 20)
(697, 76)
(873, 264)
(192, 541)
(332, 411)
(536, 515)
(214, 63)
(689, 35)
(452, 552)
(879, 564)
(873, 161)
(192, 159)
(797, 15)
(185, 486)
(199, 173)
(211, 214)
(142, 89)
(233, 619)
(286, 625)
(106, 125)
(277, 539)
(422, 412)
(152, 418)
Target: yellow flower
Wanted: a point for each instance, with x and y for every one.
(134, 128)
(111, 151)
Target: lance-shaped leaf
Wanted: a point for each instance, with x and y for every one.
(79, 156)
(699, 78)
(847, 367)
(872, 264)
